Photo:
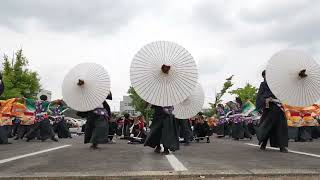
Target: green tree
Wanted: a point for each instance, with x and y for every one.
(19, 81)
(247, 93)
(207, 113)
(139, 104)
(218, 99)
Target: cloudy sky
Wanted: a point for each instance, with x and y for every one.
(224, 37)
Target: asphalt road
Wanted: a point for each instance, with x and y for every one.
(221, 156)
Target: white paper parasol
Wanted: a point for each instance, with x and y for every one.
(294, 78)
(85, 87)
(191, 106)
(163, 73)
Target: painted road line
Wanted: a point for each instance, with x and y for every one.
(175, 163)
(32, 154)
(295, 152)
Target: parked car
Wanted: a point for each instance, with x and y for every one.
(75, 125)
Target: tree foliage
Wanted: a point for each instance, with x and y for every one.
(218, 99)
(208, 113)
(19, 81)
(247, 93)
(139, 104)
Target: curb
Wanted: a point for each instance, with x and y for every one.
(303, 174)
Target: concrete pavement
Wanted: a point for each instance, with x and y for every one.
(221, 158)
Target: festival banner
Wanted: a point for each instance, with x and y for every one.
(301, 116)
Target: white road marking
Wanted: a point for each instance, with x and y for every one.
(175, 163)
(295, 152)
(31, 154)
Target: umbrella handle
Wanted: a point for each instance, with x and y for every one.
(80, 82)
(165, 68)
(302, 73)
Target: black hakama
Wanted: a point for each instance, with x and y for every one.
(293, 133)
(62, 129)
(273, 124)
(202, 130)
(22, 131)
(95, 129)
(163, 130)
(305, 133)
(184, 129)
(45, 129)
(3, 135)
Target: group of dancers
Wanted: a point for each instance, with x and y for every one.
(32, 119)
(232, 122)
(272, 125)
(42, 123)
(165, 129)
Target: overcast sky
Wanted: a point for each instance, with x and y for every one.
(225, 37)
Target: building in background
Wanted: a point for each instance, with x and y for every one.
(45, 92)
(125, 106)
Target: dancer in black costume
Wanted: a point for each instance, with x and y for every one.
(273, 123)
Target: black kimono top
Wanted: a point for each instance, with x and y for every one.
(263, 93)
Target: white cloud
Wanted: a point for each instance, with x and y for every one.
(224, 37)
